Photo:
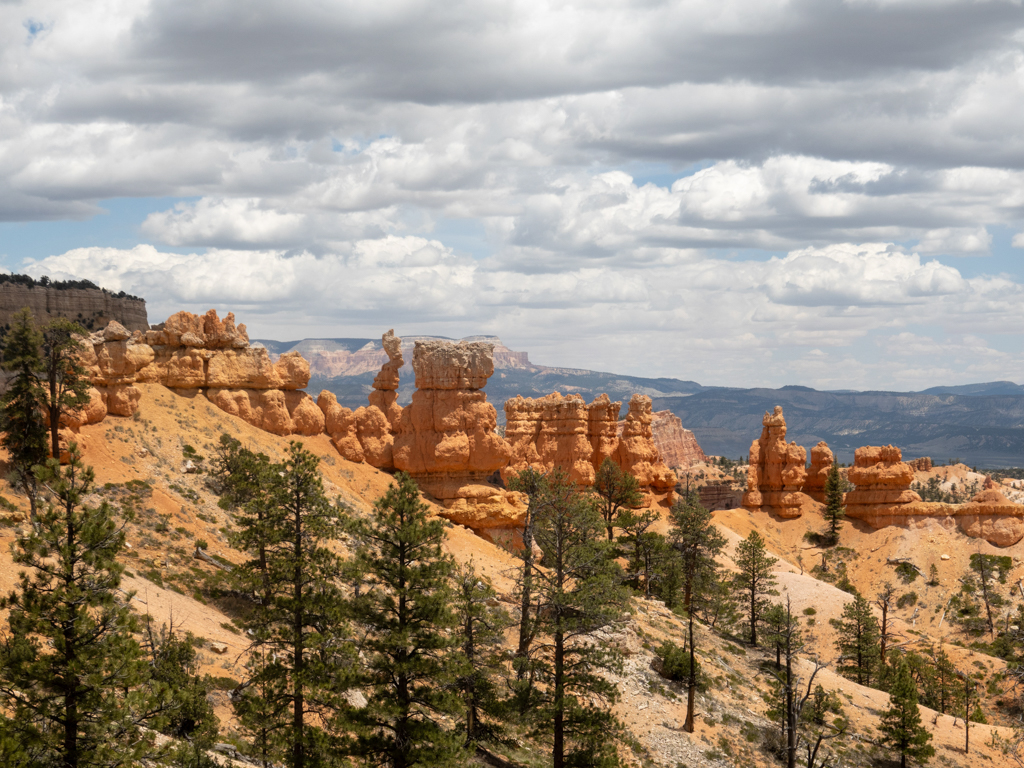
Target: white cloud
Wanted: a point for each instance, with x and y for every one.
(322, 149)
(715, 317)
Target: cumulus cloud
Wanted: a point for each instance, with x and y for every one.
(314, 154)
(797, 313)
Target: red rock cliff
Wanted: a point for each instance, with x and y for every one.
(678, 446)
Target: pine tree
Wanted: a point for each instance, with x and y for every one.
(482, 622)
(260, 707)
(616, 490)
(66, 385)
(754, 579)
(299, 622)
(544, 490)
(411, 643)
(857, 641)
(24, 433)
(70, 669)
(579, 594)
(188, 715)
(643, 547)
(884, 600)
(985, 566)
(248, 483)
(697, 542)
(834, 509)
(946, 694)
(901, 724)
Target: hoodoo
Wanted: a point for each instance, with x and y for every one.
(821, 463)
(778, 481)
(566, 432)
(193, 352)
(447, 439)
(777, 472)
(883, 497)
(368, 434)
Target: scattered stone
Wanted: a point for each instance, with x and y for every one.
(944, 557)
(219, 648)
(189, 468)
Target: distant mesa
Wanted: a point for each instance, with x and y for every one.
(331, 358)
(778, 481)
(78, 300)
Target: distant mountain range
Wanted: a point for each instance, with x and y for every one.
(980, 424)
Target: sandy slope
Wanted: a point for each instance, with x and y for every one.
(181, 509)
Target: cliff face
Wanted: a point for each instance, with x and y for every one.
(677, 445)
(92, 307)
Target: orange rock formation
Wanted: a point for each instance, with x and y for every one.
(678, 446)
(202, 352)
(368, 434)
(883, 497)
(554, 431)
(821, 462)
(566, 432)
(777, 470)
(637, 453)
(446, 438)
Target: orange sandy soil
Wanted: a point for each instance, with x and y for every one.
(181, 509)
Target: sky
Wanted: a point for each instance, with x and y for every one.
(736, 192)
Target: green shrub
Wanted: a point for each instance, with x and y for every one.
(674, 664)
(909, 599)
(906, 572)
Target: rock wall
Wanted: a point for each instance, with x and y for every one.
(206, 353)
(883, 497)
(566, 432)
(94, 308)
(777, 471)
(678, 446)
(555, 431)
(720, 496)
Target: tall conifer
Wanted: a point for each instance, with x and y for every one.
(834, 509)
(481, 621)
(70, 670)
(616, 490)
(697, 542)
(298, 626)
(24, 433)
(411, 641)
(858, 641)
(579, 593)
(754, 579)
(901, 724)
(65, 385)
